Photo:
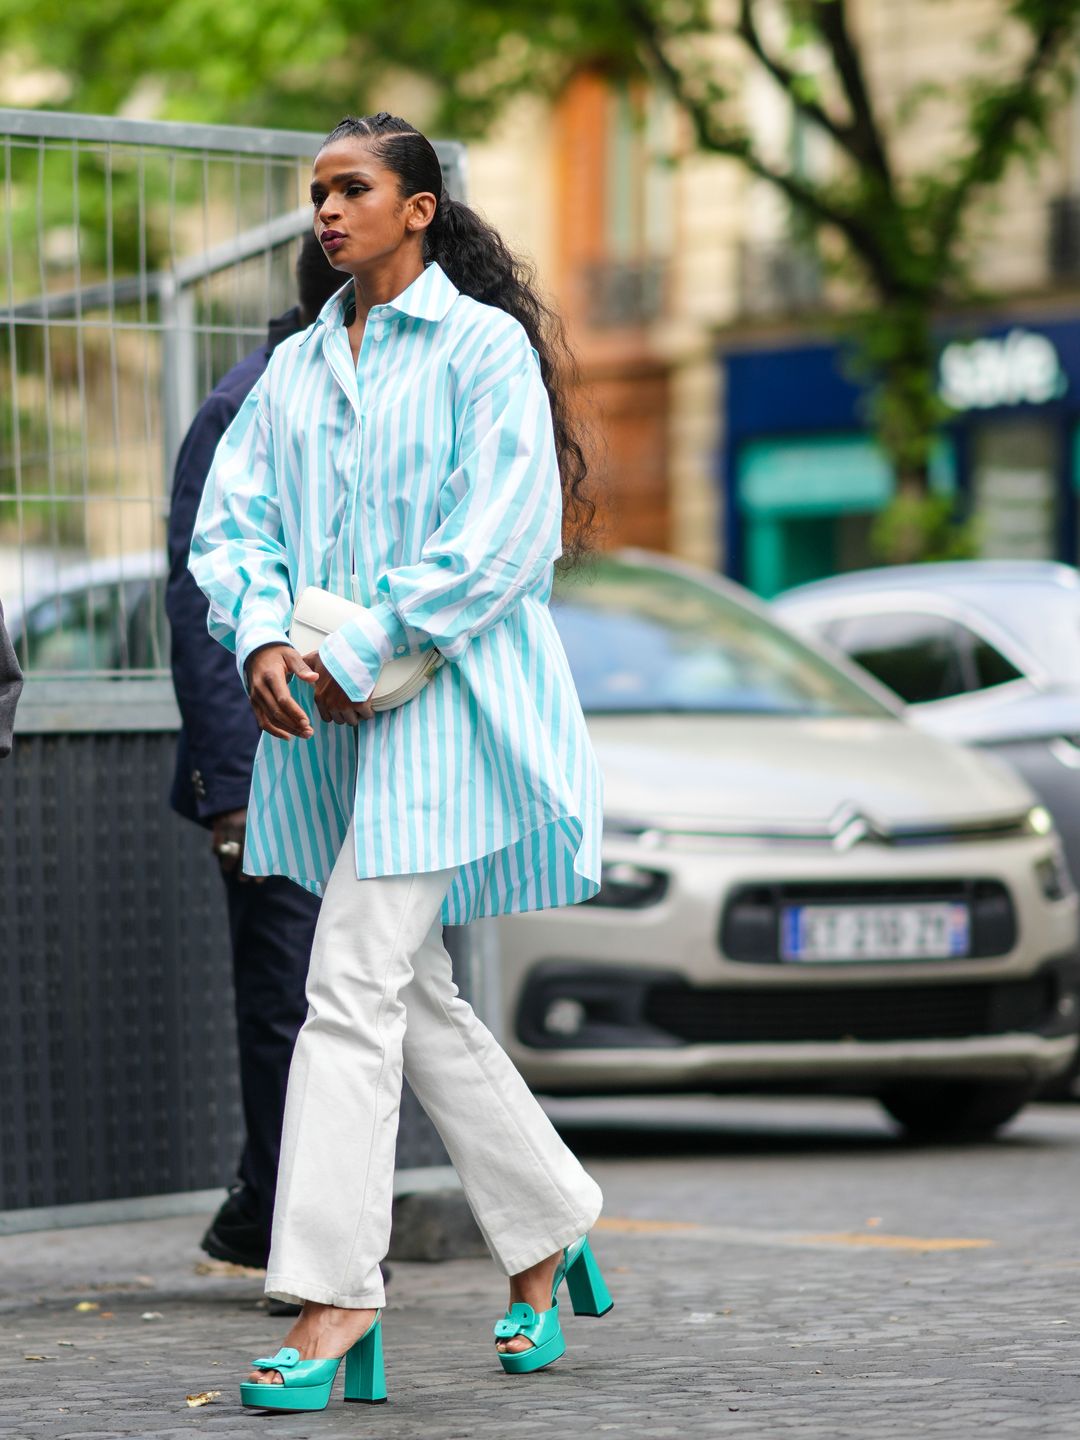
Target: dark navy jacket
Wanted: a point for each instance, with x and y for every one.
(11, 682)
(218, 736)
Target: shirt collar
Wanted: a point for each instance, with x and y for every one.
(429, 297)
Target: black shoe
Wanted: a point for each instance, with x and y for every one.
(235, 1235)
(282, 1307)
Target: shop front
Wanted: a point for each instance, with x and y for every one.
(804, 480)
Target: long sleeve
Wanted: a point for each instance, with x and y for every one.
(238, 554)
(499, 534)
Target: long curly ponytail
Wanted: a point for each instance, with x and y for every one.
(480, 264)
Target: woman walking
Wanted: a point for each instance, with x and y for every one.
(411, 452)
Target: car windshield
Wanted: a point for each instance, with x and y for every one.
(643, 639)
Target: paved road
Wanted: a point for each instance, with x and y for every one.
(780, 1269)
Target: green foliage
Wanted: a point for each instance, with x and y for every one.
(303, 63)
(906, 237)
(916, 527)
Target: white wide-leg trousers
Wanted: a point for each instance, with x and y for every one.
(382, 1002)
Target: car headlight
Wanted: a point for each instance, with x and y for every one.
(626, 886)
(1038, 821)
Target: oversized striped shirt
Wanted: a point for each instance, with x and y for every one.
(421, 481)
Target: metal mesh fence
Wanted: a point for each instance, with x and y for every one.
(139, 262)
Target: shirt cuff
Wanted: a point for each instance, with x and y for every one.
(259, 626)
(356, 652)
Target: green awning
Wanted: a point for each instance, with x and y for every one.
(823, 475)
(813, 476)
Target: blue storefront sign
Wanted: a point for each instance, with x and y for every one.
(803, 478)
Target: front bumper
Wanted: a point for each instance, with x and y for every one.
(647, 1029)
(657, 1005)
(850, 1067)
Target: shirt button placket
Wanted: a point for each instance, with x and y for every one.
(352, 502)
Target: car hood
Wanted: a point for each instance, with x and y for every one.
(1012, 713)
(759, 774)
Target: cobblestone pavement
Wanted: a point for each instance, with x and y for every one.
(780, 1268)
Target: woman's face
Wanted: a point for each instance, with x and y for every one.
(361, 216)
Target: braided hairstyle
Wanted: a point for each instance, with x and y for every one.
(480, 264)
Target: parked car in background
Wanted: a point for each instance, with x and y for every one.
(800, 890)
(981, 651)
(102, 615)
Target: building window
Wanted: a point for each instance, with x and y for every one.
(616, 211)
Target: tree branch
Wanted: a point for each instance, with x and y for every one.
(720, 140)
(868, 145)
(1009, 109)
(787, 78)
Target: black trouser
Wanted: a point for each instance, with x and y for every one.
(271, 925)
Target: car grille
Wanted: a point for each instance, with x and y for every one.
(750, 924)
(834, 1013)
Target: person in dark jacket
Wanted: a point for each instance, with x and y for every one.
(11, 683)
(271, 922)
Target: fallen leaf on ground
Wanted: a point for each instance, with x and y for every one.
(204, 1397)
(88, 1305)
(106, 1315)
(35, 1357)
(66, 1342)
(225, 1267)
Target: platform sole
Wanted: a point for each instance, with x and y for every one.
(524, 1362)
(284, 1397)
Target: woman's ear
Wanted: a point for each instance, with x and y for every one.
(421, 211)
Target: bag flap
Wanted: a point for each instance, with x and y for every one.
(324, 611)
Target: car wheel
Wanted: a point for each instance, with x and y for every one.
(956, 1109)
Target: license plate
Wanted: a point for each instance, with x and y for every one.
(937, 931)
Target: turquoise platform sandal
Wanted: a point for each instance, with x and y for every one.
(589, 1295)
(543, 1330)
(307, 1383)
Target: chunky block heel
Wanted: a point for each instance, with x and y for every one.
(589, 1294)
(306, 1384)
(365, 1377)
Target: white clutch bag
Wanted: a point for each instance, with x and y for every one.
(318, 613)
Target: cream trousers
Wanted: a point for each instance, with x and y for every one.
(382, 1002)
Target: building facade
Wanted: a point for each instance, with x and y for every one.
(732, 433)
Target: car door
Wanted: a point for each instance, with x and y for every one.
(101, 627)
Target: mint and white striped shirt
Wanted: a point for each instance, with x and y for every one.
(423, 482)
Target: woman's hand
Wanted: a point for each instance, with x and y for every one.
(331, 700)
(268, 673)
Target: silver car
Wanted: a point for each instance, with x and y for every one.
(801, 891)
(105, 617)
(985, 652)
